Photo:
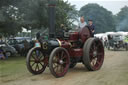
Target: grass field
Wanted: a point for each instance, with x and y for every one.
(12, 68)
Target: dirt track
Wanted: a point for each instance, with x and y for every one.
(113, 72)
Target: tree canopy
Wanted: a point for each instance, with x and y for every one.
(102, 18)
(32, 14)
(122, 19)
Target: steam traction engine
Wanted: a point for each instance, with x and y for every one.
(61, 53)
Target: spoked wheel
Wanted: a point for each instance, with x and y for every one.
(93, 54)
(59, 62)
(36, 61)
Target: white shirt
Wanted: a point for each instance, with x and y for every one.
(82, 25)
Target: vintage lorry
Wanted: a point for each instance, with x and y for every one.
(116, 42)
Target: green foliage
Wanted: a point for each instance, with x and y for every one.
(65, 14)
(103, 19)
(122, 19)
(33, 14)
(10, 28)
(0, 36)
(9, 20)
(9, 2)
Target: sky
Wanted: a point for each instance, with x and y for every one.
(112, 5)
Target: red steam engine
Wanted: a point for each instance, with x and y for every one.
(61, 53)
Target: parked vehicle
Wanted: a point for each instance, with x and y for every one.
(8, 50)
(116, 42)
(19, 43)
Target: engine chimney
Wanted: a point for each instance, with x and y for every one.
(52, 5)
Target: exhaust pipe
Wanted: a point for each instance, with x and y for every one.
(52, 5)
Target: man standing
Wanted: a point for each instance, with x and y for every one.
(82, 23)
(91, 27)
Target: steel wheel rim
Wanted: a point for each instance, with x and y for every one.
(96, 54)
(60, 63)
(37, 61)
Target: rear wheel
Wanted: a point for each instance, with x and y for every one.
(36, 61)
(93, 54)
(59, 62)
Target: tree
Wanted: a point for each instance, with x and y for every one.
(33, 14)
(65, 14)
(9, 25)
(122, 19)
(102, 18)
(9, 2)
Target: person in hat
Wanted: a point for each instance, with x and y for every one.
(91, 27)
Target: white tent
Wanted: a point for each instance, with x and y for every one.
(99, 35)
(25, 30)
(123, 33)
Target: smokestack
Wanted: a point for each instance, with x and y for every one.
(52, 5)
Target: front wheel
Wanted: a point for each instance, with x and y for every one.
(59, 62)
(36, 61)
